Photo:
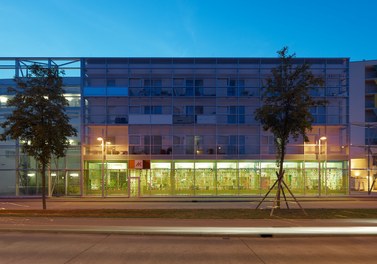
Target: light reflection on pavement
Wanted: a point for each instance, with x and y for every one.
(193, 227)
(201, 231)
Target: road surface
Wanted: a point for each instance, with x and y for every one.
(58, 248)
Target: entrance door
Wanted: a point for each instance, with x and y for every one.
(134, 187)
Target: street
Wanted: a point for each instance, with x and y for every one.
(58, 248)
(150, 240)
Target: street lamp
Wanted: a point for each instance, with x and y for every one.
(103, 151)
(103, 165)
(324, 139)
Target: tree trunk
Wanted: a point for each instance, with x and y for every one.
(43, 186)
(280, 178)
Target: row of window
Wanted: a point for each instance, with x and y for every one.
(210, 80)
(198, 91)
(196, 119)
(97, 108)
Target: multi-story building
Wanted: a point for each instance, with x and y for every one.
(363, 123)
(180, 127)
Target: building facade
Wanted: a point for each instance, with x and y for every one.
(363, 123)
(180, 127)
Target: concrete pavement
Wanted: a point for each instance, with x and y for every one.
(55, 203)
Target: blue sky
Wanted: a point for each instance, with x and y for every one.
(188, 28)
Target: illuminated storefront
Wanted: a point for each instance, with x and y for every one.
(214, 178)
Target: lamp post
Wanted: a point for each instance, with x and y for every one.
(103, 165)
(323, 138)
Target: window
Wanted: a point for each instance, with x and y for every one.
(232, 114)
(111, 83)
(154, 86)
(235, 87)
(189, 87)
(232, 88)
(134, 109)
(241, 114)
(191, 84)
(156, 144)
(199, 110)
(154, 110)
(236, 114)
(134, 140)
(190, 110)
(241, 144)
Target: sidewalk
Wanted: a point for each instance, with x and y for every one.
(64, 203)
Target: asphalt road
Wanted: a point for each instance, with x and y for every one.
(18, 248)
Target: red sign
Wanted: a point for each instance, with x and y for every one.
(139, 164)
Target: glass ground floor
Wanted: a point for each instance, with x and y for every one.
(159, 178)
(210, 178)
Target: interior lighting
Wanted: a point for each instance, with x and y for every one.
(204, 165)
(117, 166)
(226, 165)
(3, 99)
(184, 165)
(161, 165)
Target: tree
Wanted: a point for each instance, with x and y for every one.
(38, 118)
(285, 110)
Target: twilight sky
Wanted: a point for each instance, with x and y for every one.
(188, 28)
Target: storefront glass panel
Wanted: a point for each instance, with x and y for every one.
(29, 182)
(336, 178)
(116, 179)
(249, 178)
(205, 180)
(93, 179)
(58, 183)
(160, 183)
(293, 177)
(73, 182)
(184, 178)
(311, 178)
(139, 181)
(268, 176)
(359, 176)
(227, 178)
(134, 187)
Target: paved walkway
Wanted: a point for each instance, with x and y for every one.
(55, 203)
